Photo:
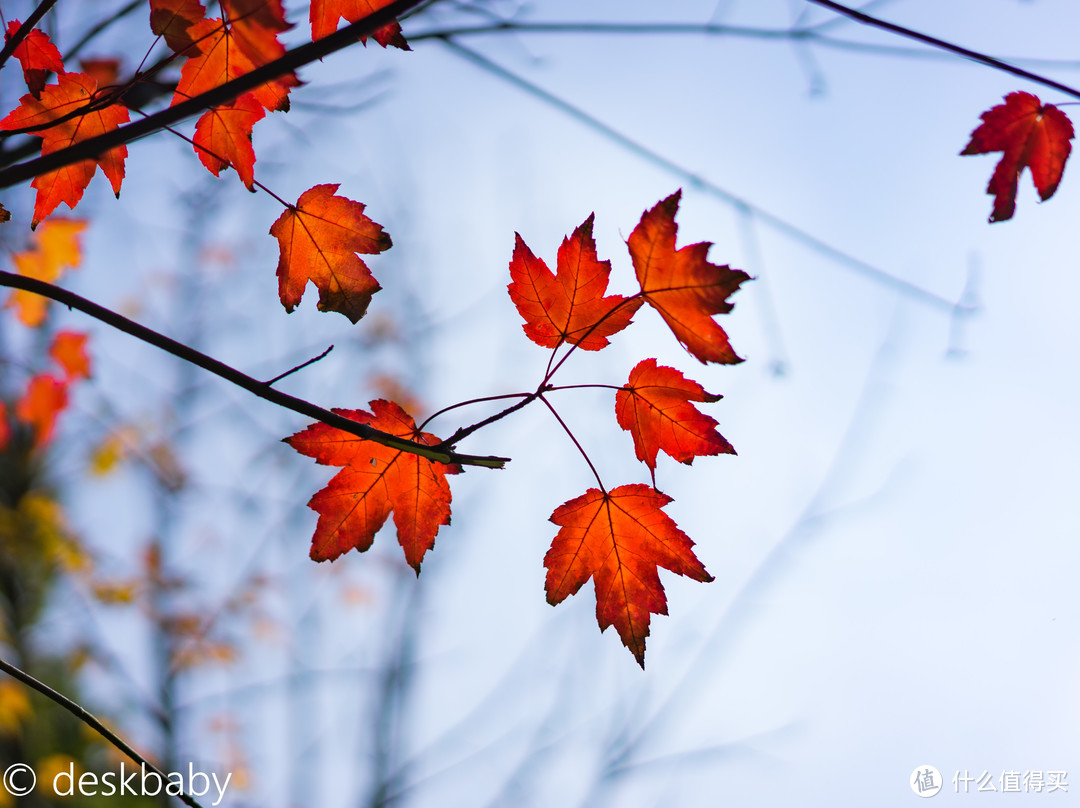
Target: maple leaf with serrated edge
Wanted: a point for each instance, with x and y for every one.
(619, 539)
(1029, 134)
(682, 285)
(72, 93)
(325, 14)
(654, 407)
(319, 241)
(375, 481)
(223, 137)
(568, 306)
(224, 55)
(37, 55)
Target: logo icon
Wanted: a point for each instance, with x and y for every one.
(925, 781)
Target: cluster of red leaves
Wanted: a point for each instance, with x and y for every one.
(55, 248)
(620, 537)
(46, 394)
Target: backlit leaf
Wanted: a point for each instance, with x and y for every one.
(568, 306)
(319, 241)
(376, 481)
(619, 539)
(325, 14)
(682, 285)
(1029, 134)
(223, 137)
(37, 55)
(655, 408)
(73, 93)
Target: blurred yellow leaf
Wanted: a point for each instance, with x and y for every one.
(14, 707)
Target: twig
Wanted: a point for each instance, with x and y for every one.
(301, 366)
(941, 44)
(24, 30)
(443, 454)
(90, 720)
(700, 183)
(297, 57)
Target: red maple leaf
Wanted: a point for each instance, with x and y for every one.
(655, 408)
(324, 15)
(1029, 134)
(682, 285)
(45, 398)
(71, 96)
(223, 137)
(375, 481)
(619, 539)
(319, 240)
(37, 55)
(568, 306)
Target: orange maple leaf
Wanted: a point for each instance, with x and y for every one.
(682, 285)
(256, 24)
(223, 137)
(1029, 134)
(619, 539)
(71, 96)
(45, 398)
(225, 54)
(37, 55)
(319, 240)
(56, 248)
(655, 408)
(68, 349)
(324, 16)
(568, 306)
(375, 481)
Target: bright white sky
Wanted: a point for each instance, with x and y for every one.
(895, 545)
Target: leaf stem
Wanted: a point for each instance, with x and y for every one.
(440, 453)
(480, 400)
(553, 370)
(464, 432)
(581, 449)
(90, 720)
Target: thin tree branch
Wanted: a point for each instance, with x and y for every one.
(441, 454)
(90, 720)
(301, 366)
(290, 61)
(809, 36)
(941, 44)
(24, 30)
